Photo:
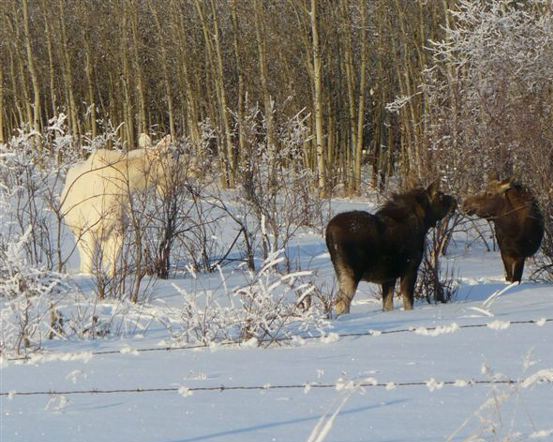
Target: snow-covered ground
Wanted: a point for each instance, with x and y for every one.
(437, 373)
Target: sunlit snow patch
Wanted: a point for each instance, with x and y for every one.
(499, 325)
(440, 330)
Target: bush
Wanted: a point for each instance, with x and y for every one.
(489, 101)
(267, 307)
(30, 296)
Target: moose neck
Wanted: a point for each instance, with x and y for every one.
(411, 208)
(139, 168)
(519, 204)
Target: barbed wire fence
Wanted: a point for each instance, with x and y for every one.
(431, 384)
(545, 376)
(430, 331)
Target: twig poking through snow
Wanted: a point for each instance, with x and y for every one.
(57, 403)
(545, 375)
(323, 427)
(491, 299)
(483, 311)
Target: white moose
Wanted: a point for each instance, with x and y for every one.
(95, 199)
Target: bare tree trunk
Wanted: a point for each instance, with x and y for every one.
(1, 104)
(263, 74)
(51, 69)
(215, 60)
(317, 98)
(142, 125)
(191, 112)
(362, 94)
(124, 83)
(14, 86)
(350, 78)
(90, 87)
(164, 70)
(68, 72)
(224, 107)
(31, 66)
(18, 75)
(241, 155)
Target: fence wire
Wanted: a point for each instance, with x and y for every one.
(431, 384)
(279, 340)
(435, 385)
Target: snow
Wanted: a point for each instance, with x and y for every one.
(434, 385)
(437, 331)
(540, 376)
(457, 371)
(499, 325)
(541, 434)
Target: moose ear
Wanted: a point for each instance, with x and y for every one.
(433, 188)
(144, 141)
(164, 143)
(504, 185)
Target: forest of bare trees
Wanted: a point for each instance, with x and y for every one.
(409, 89)
(168, 65)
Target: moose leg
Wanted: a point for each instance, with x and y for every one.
(348, 285)
(518, 269)
(388, 295)
(509, 264)
(408, 282)
(112, 249)
(86, 243)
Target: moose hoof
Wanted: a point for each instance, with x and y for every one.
(342, 307)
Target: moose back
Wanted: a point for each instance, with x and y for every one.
(385, 246)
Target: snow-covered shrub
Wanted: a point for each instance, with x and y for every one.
(32, 171)
(37, 304)
(265, 308)
(498, 418)
(270, 301)
(176, 218)
(276, 189)
(200, 242)
(26, 184)
(434, 282)
(29, 296)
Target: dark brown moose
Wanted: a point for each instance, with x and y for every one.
(385, 246)
(517, 220)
